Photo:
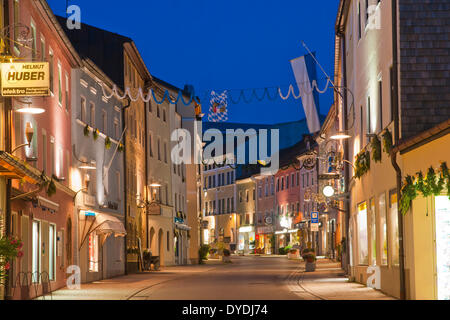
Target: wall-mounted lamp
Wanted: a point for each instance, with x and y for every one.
(328, 191)
(29, 132)
(340, 136)
(29, 109)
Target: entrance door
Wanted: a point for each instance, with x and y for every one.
(442, 205)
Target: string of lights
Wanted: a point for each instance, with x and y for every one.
(269, 93)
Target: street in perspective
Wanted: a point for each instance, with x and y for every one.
(224, 159)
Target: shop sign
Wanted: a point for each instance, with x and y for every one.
(25, 79)
(314, 221)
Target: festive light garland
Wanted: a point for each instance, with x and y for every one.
(304, 89)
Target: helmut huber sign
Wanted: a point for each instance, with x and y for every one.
(25, 79)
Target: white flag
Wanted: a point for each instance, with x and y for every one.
(304, 82)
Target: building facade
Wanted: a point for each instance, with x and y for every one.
(97, 175)
(39, 201)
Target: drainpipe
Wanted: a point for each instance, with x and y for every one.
(125, 184)
(394, 152)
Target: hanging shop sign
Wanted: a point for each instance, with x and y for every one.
(25, 79)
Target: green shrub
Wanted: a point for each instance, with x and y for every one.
(203, 252)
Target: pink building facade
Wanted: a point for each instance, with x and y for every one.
(42, 208)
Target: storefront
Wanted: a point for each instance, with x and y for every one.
(101, 245)
(264, 238)
(181, 241)
(247, 239)
(427, 221)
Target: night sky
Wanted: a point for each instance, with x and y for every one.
(218, 45)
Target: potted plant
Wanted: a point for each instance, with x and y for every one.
(95, 134)
(86, 131)
(203, 253)
(293, 253)
(309, 256)
(226, 255)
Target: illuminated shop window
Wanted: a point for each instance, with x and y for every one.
(393, 219)
(383, 229)
(93, 252)
(363, 241)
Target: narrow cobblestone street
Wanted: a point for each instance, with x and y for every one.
(249, 278)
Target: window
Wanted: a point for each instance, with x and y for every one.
(16, 22)
(247, 195)
(282, 183)
(116, 129)
(307, 179)
(159, 149)
(240, 196)
(392, 88)
(359, 20)
(287, 182)
(373, 232)
(380, 104)
(165, 152)
(393, 219)
(150, 145)
(43, 49)
(292, 180)
(60, 89)
(34, 41)
(361, 127)
(164, 114)
(93, 252)
(83, 110)
(52, 155)
(312, 179)
(66, 96)
(368, 117)
(44, 151)
(367, 12)
(278, 184)
(363, 250)
(104, 122)
(157, 111)
(118, 185)
(214, 181)
(51, 251)
(298, 178)
(92, 114)
(36, 254)
(168, 240)
(51, 69)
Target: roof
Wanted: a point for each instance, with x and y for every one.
(424, 137)
(104, 48)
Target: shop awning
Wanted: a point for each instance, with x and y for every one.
(101, 223)
(108, 224)
(47, 204)
(13, 168)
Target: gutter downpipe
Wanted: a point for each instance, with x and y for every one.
(394, 151)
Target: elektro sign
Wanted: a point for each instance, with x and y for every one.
(25, 79)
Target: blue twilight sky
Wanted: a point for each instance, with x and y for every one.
(218, 44)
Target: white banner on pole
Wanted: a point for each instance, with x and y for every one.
(304, 83)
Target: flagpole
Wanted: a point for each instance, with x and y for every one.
(320, 66)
